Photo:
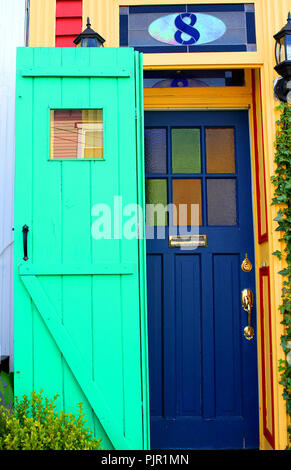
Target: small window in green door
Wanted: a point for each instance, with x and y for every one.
(186, 152)
(76, 134)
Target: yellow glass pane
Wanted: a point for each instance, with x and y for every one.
(220, 153)
(187, 192)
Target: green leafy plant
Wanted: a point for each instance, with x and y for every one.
(282, 196)
(6, 389)
(34, 424)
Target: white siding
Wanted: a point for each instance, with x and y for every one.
(12, 27)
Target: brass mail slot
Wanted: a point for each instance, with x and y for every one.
(176, 241)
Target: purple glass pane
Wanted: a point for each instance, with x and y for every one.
(156, 150)
(221, 201)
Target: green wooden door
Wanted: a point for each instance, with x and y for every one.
(80, 315)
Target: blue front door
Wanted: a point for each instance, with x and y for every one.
(203, 371)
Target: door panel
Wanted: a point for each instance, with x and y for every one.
(226, 324)
(187, 294)
(78, 311)
(203, 371)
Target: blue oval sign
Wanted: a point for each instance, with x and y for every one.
(187, 29)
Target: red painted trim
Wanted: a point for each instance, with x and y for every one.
(264, 166)
(270, 436)
(68, 21)
(262, 237)
(68, 26)
(65, 41)
(69, 8)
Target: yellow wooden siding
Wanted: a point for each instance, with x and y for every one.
(271, 15)
(42, 23)
(275, 16)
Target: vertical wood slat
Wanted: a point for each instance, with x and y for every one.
(42, 23)
(142, 244)
(46, 206)
(23, 337)
(106, 313)
(76, 291)
(129, 305)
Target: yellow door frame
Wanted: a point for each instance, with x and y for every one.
(247, 97)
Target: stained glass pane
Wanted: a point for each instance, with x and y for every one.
(193, 78)
(187, 192)
(76, 133)
(186, 154)
(156, 193)
(220, 153)
(163, 28)
(221, 201)
(156, 150)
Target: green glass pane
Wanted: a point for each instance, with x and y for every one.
(156, 194)
(186, 154)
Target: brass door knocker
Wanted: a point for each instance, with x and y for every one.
(246, 265)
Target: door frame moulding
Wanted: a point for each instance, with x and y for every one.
(170, 100)
(200, 98)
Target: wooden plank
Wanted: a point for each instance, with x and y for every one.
(46, 197)
(107, 329)
(142, 246)
(23, 325)
(75, 269)
(70, 71)
(130, 308)
(76, 207)
(75, 361)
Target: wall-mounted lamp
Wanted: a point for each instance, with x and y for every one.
(89, 38)
(283, 62)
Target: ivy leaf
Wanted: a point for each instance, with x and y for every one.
(282, 196)
(278, 254)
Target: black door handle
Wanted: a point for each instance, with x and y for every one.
(24, 231)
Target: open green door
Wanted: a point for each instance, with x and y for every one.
(80, 306)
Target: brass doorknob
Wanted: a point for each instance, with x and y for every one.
(247, 300)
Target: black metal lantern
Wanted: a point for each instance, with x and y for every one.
(283, 60)
(89, 38)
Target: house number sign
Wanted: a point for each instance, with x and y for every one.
(187, 28)
(204, 27)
